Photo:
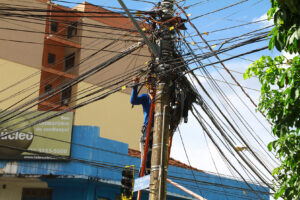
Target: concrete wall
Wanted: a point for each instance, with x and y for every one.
(25, 47)
(118, 121)
(11, 73)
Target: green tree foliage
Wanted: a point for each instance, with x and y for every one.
(286, 33)
(280, 95)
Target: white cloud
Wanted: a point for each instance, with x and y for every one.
(288, 55)
(264, 23)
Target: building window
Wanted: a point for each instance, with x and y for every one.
(54, 26)
(69, 61)
(51, 58)
(48, 88)
(72, 30)
(66, 96)
(37, 193)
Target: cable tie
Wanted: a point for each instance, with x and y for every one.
(156, 145)
(160, 114)
(138, 13)
(155, 167)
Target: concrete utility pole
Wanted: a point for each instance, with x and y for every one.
(159, 165)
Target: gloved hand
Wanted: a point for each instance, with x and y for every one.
(136, 80)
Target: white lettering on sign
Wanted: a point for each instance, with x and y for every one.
(16, 136)
(65, 118)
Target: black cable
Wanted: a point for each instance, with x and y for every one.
(75, 36)
(7, 8)
(213, 161)
(229, 6)
(71, 69)
(98, 5)
(39, 43)
(77, 80)
(68, 24)
(234, 13)
(195, 4)
(189, 162)
(230, 39)
(240, 25)
(225, 137)
(115, 167)
(222, 153)
(227, 59)
(238, 112)
(63, 16)
(64, 86)
(82, 24)
(228, 147)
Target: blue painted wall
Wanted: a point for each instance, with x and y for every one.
(79, 180)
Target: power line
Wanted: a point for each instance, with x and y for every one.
(187, 157)
(14, 19)
(220, 130)
(85, 59)
(76, 36)
(67, 71)
(229, 6)
(237, 96)
(7, 8)
(221, 62)
(221, 152)
(78, 79)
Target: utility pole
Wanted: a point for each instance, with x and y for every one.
(159, 165)
(163, 59)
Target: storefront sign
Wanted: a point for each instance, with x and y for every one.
(52, 136)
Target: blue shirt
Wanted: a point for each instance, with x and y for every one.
(143, 99)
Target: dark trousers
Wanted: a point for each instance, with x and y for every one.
(142, 147)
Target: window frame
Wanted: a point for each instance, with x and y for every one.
(72, 30)
(54, 26)
(49, 56)
(67, 60)
(68, 91)
(48, 88)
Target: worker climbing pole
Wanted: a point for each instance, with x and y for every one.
(174, 93)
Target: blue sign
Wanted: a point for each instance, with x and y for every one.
(141, 183)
